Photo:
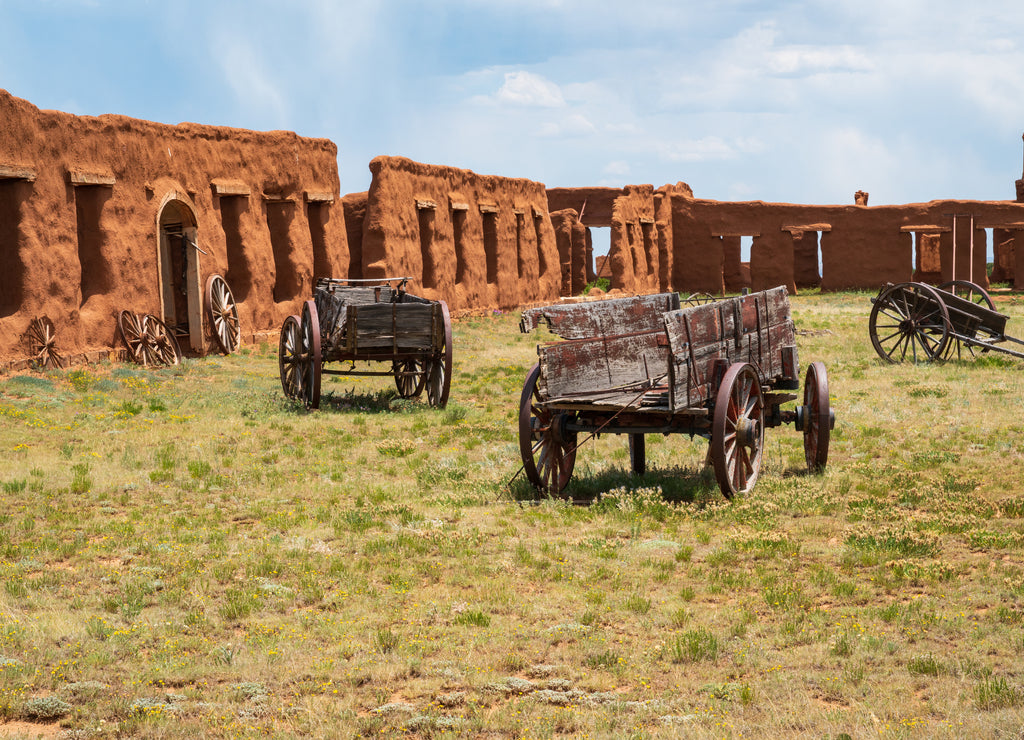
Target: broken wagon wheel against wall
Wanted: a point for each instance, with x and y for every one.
(737, 431)
(129, 326)
(439, 368)
(909, 317)
(41, 339)
(223, 314)
(160, 347)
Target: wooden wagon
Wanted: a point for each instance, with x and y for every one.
(646, 365)
(351, 320)
(918, 323)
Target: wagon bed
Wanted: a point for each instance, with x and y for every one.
(646, 364)
(350, 320)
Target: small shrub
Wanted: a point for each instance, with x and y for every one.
(694, 646)
(45, 708)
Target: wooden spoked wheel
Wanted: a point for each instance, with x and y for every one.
(311, 363)
(223, 314)
(698, 299)
(548, 451)
(737, 431)
(909, 321)
(159, 345)
(410, 377)
(976, 295)
(41, 337)
(817, 418)
(289, 356)
(129, 326)
(439, 370)
(637, 454)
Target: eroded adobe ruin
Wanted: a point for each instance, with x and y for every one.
(100, 214)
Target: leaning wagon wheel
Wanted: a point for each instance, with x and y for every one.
(549, 453)
(159, 344)
(976, 295)
(41, 338)
(909, 318)
(223, 314)
(698, 299)
(289, 357)
(129, 326)
(817, 418)
(410, 377)
(439, 370)
(311, 362)
(737, 431)
(637, 454)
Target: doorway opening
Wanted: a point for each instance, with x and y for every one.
(180, 293)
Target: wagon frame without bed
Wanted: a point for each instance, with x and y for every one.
(367, 320)
(646, 365)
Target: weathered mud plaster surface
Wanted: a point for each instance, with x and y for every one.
(85, 203)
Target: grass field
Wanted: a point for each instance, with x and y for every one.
(186, 553)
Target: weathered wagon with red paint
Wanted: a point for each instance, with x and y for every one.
(367, 320)
(646, 365)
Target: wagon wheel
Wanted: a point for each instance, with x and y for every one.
(548, 451)
(129, 326)
(159, 344)
(41, 337)
(439, 370)
(817, 418)
(223, 314)
(310, 360)
(909, 317)
(737, 431)
(637, 454)
(410, 377)
(698, 299)
(976, 295)
(289, 354)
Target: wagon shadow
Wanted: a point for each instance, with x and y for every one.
(678, 485)
(372, 402)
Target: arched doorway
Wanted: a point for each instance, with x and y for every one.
(180, 292)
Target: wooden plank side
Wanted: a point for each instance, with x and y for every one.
(402, 327)
(589, 368)
(602, 318)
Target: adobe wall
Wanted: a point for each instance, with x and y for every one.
(81, 199)
(861, 247)
(476, 241)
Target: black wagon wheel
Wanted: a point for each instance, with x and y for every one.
(311, 361)
(129, 326)
(978, 296)
(41, 337)
(289, 357)
(698, 299)
(410, 377)
(159, 343)
(817, 417)
(637, 454)
(223, 314)
(548, 451)
(737, 430)
(970, 291)
(439, 372)
(909, 321)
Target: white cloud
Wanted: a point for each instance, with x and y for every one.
(699, 150)
(571, 126)
(528, 89)
(618, 168)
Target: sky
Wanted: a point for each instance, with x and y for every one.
(801, 101)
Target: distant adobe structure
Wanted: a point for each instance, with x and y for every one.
(475, 241)
(103, 214)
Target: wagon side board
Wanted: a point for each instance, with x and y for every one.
(381, 328)
(606, 318)
(755, 328)
(604, 371)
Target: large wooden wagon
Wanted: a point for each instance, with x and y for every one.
(644, 365)
(918, 323)
(350, 320)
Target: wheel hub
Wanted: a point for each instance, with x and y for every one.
(748, 431)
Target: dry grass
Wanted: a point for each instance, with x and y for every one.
(187, 554)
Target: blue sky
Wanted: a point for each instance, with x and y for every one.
(796, 101)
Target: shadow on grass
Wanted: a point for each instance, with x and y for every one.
(677, 484)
